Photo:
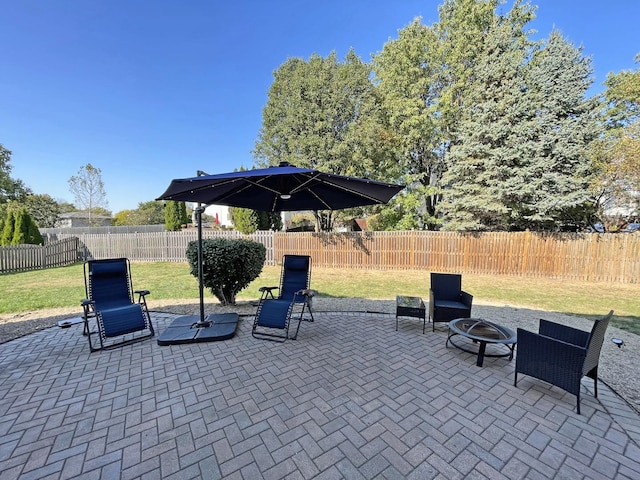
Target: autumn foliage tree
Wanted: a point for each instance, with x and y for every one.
(622, 158)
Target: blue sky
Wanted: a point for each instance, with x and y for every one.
(151, 90)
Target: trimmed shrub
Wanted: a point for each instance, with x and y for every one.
(228, 265)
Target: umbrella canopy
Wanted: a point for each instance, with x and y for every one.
(281, 188)
(276, 189)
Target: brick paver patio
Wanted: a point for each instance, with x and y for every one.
(351, 398)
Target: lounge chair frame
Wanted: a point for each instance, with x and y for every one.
(275, 315)
(110, 304)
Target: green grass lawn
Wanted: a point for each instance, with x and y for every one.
(64, 287)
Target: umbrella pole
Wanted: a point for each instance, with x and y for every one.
(199, 210)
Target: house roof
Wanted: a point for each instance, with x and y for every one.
(83, 215)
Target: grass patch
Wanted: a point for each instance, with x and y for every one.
(64, 287)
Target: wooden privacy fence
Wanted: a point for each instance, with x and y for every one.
(158, 246)
(18, 258)
(589, 257)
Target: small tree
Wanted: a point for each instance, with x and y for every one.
(25, 231)
(228, 266)
(8, 228)
(269, 221)
(19, 228)
(185, 216)
(88, 189)
(173, 216)
(247, 221)
(244, 219)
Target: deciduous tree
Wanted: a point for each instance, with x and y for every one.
(87, 188)
(43, 209)
(10, 188)
(313, 114)
(405, 75)
(147, 213)
(618, 152)
(423, 78)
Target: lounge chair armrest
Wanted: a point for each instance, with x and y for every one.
(564, 333)
(534, 348)
(307, 292)
(466, 298)
(142, 296)
(303, 295)
(267, 292)
(88, 307)
(267, 289)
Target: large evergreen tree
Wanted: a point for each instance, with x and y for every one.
(566, 123)
(485, 165)
(424, 78)
(520, 159)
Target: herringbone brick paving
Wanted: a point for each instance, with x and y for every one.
(351, 398)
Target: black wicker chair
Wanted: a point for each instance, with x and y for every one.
(447, 301)
(561, 355)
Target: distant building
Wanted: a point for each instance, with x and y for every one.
(359, 225)
(354, 225)
(81, 219)
(219, 215)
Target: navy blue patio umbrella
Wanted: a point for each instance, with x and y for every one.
(281, 188)
(276, 189)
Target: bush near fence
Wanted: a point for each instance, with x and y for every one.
(589, 257)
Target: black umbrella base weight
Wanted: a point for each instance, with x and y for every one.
(189, 329)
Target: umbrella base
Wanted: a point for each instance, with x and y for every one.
(188, 329)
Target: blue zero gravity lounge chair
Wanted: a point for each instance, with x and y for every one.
(110, 303)
(275, 314)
